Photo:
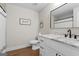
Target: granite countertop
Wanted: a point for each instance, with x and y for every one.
(60, 38)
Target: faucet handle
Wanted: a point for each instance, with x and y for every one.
(65, 35)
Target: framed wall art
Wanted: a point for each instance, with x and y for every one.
(23, 21)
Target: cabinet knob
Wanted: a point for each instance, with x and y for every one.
(56, 54)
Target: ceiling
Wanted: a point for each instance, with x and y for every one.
(34, 6)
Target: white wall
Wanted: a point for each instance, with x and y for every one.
(45, 18)
(18, 36)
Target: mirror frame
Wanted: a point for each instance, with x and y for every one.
(53, 22)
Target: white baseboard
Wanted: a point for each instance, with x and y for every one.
(17, 47)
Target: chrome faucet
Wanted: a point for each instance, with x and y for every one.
(69, 33)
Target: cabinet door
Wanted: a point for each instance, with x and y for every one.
(50, 52)
(42, 51)
(52, 48)
(46, 51)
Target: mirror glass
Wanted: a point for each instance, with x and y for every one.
(65, 16)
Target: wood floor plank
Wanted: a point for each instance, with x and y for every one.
(24, 52)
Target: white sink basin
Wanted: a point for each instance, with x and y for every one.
(53, 36)
(69, 41)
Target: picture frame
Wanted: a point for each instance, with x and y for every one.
(41, 25)
(23, 21)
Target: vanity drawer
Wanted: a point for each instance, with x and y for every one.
(42, 41)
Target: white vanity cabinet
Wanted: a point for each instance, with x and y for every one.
(63, 48)
(51, 47)
(46, 50)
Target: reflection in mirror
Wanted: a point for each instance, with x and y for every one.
(64, 16)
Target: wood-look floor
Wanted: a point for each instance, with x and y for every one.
(24, 52)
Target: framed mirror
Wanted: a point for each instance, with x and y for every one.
(65, 16)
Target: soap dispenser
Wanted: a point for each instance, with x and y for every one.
(75, 36)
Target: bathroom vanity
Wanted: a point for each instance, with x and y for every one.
(65, 16)
(58, 45)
